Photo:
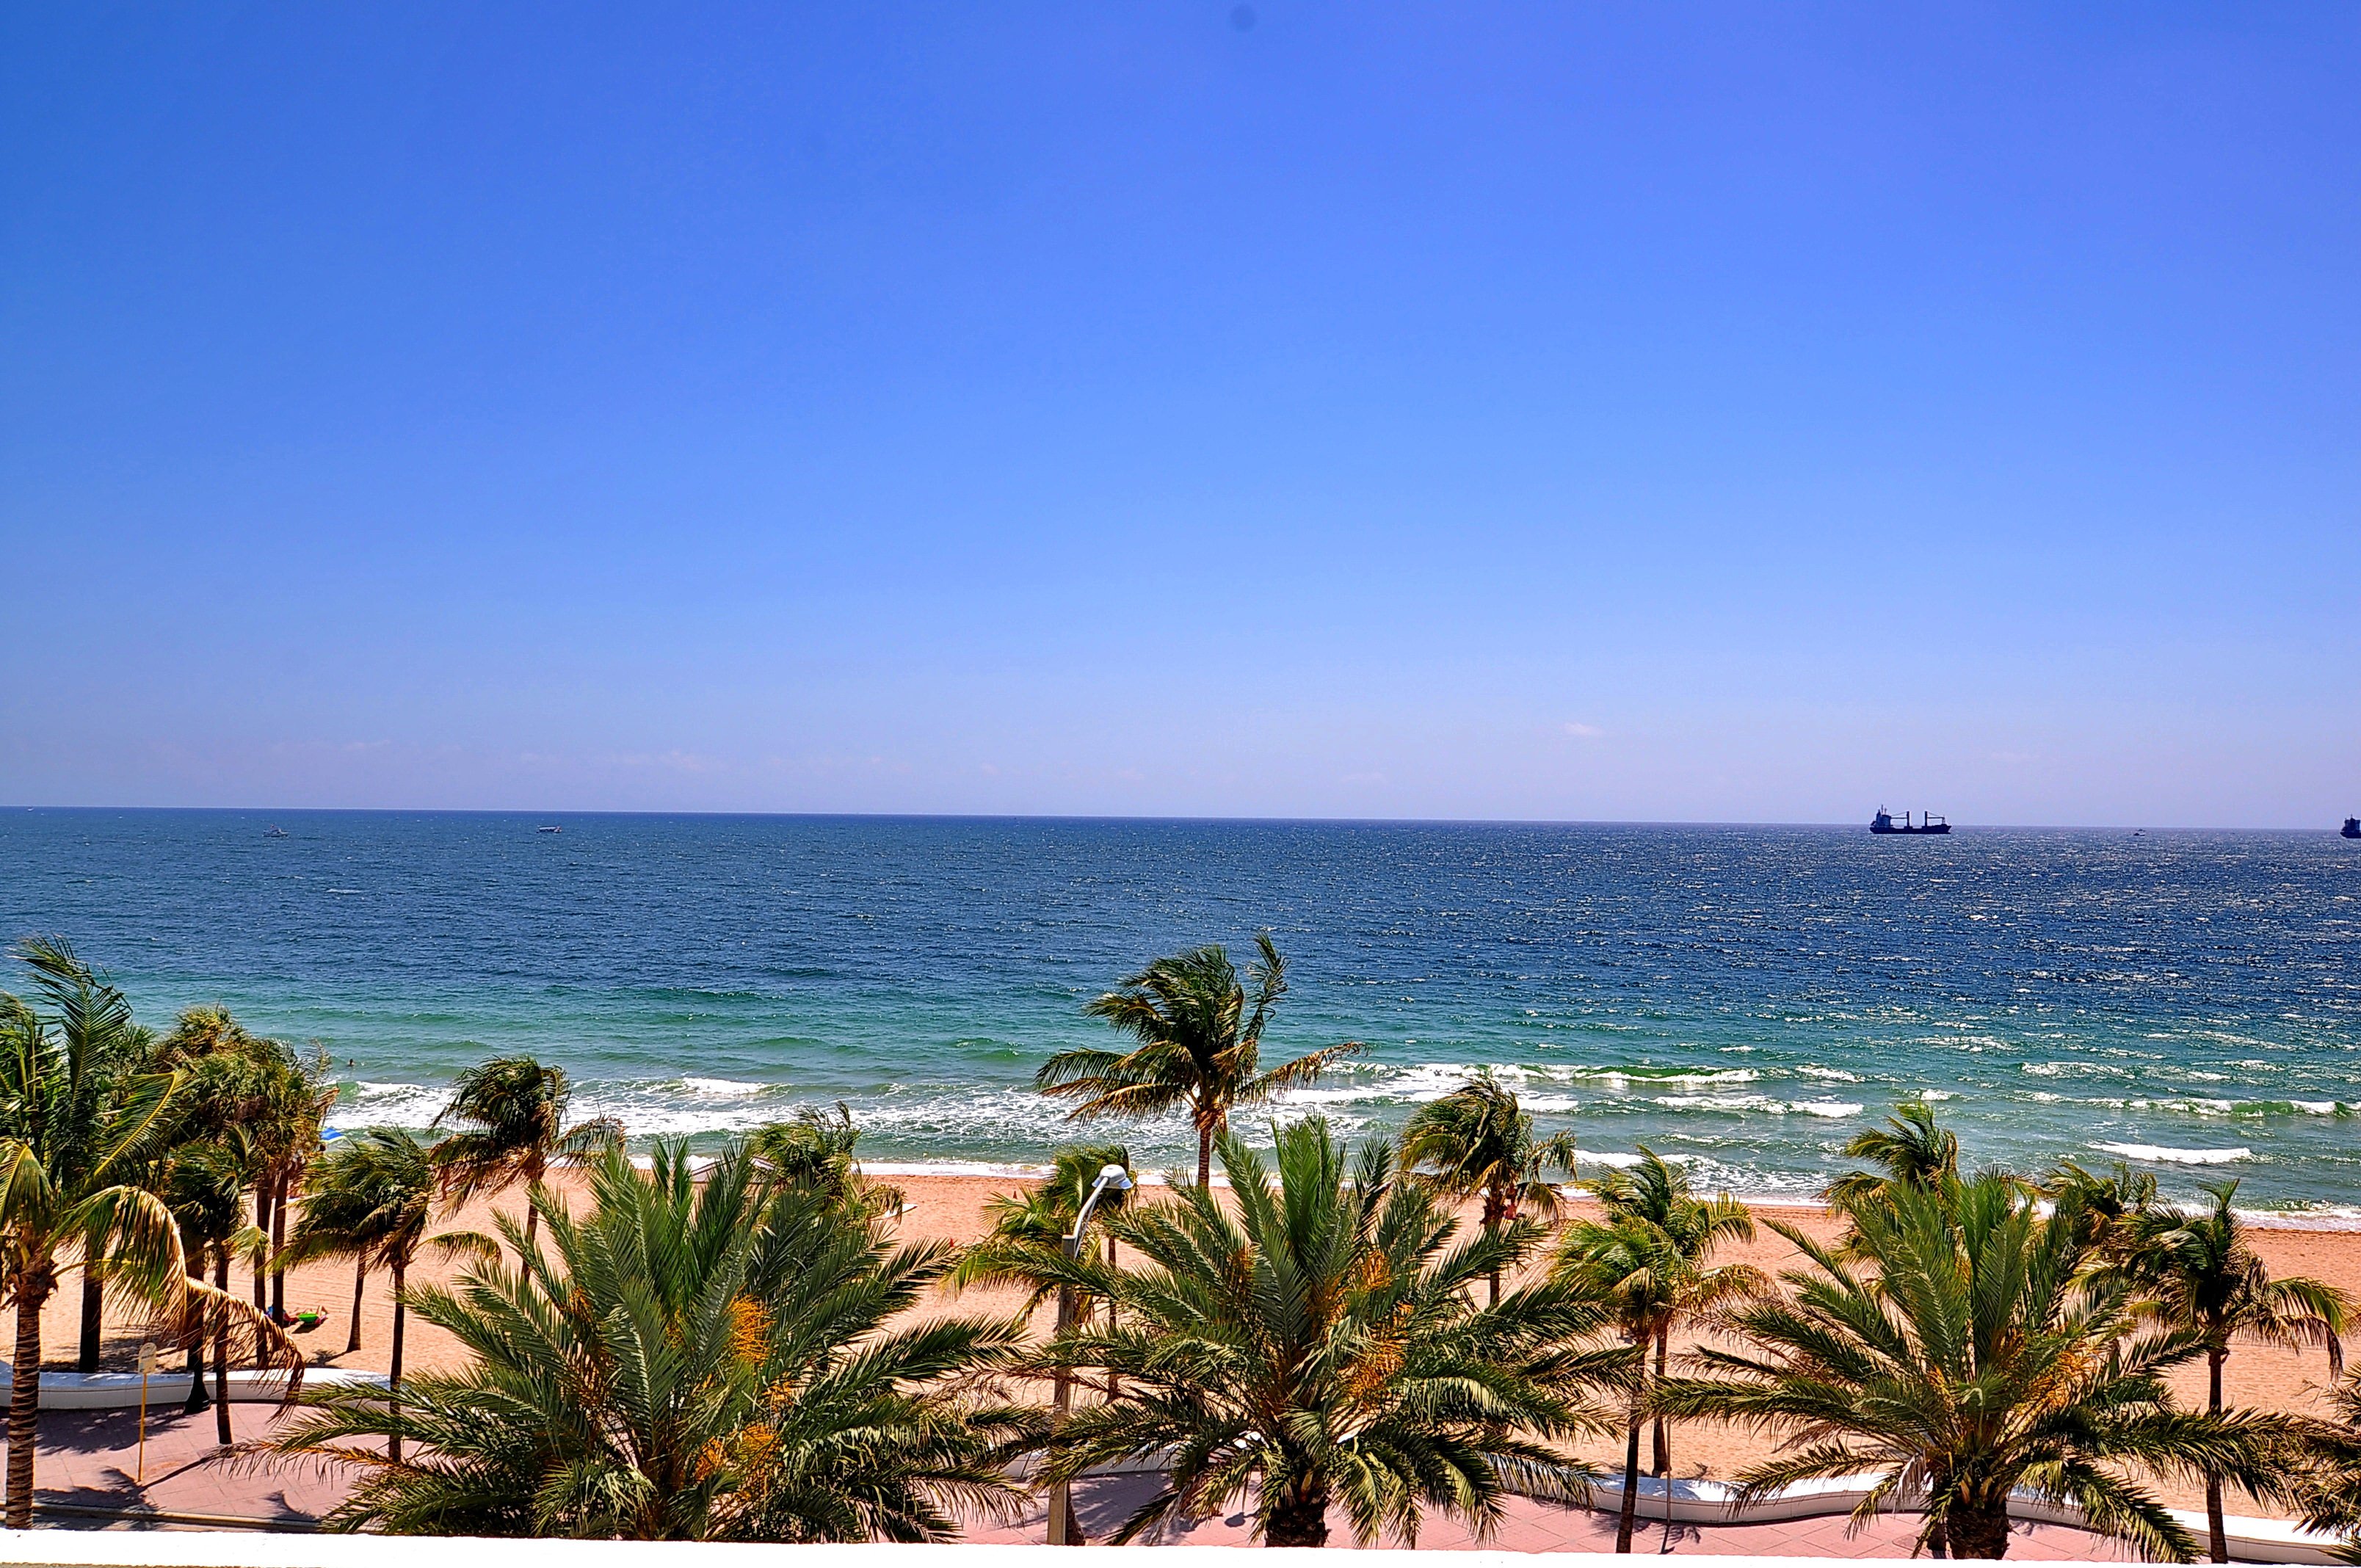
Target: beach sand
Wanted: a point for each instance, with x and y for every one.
(953, 1208)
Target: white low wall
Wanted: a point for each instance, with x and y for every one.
(120, 1390)
(1710, 1502)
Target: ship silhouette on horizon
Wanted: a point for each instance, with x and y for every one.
(1928, 823)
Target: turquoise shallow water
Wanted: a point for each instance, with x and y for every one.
(1742, 997)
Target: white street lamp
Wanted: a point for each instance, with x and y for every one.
(1112, 1178)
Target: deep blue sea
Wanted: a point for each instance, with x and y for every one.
(1744, 998)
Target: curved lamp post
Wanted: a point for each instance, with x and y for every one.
(1112, 1178)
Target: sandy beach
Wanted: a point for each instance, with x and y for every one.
(953, 1207)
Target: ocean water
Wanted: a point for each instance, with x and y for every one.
(1741, 998)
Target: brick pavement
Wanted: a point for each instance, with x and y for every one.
(87, 1462)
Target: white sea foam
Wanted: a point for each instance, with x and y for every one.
(1829, 1074)
(722, 1087)
(388, 1105)
(1829, 1107)
(2156, 1153)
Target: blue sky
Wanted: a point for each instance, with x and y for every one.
(1555, 411)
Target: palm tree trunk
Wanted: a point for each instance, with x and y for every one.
(1663, 1438)
(278, 1240)
(1494, 1212)
(198, 1398)
(86, 1357)
(221, 1348)
(393, 1376)
(262, 1223)
(531, 1220)
(1631, 1470)
(1300, 1518)
(1980, 1531)
(24, 1404)
(360, 1280)
(1205, 1155)
(2217, 1536)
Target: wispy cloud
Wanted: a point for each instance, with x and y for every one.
(1584, 731)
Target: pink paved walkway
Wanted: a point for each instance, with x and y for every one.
(1100, 1507)
(86, 1461)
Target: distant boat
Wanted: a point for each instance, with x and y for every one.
(1928, 823)
(276, 832)
(2353, 828)
(552, 830)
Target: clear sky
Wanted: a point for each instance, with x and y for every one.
(1559, 410)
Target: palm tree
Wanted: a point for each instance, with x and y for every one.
(2111, 1203)
(815, 1152)
(105, 1049)
(1478, 1139)
(1199, 1045)
(1968, 1348)
(258, 1098)
(287, 1136)
(1647, 1258)
(1320, 1344)
(2325, 1483)
(1912, 1150)
(2207, 1281)
(346, 1213)
(75, 1123)
(204, 1184)
(703, 1357)
(513, 1113)
(381, 1184)
(1030, 1227)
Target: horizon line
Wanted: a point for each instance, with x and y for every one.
(1208, 819)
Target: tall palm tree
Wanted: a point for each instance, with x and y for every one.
(204, 1184)
(2111, 1203)
(1912, 1150)
(287, 1136)
(1200, 1045)
(74, 1126)
(256, 1097)
(106, 1051)
(815, 1152)
(1649, 1259)
(1317, 1343)
(1966, 1348)
(383, 1184)
(511, 1111)
(2207, 1281)
(702, 1357)
(1478, 1140)
(348, 1208)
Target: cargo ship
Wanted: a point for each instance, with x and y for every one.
(1928, 823)
(2353, 828)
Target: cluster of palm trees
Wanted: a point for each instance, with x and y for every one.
(729, 1350)
(147, 1164)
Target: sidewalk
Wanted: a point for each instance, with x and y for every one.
(88, 1459)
